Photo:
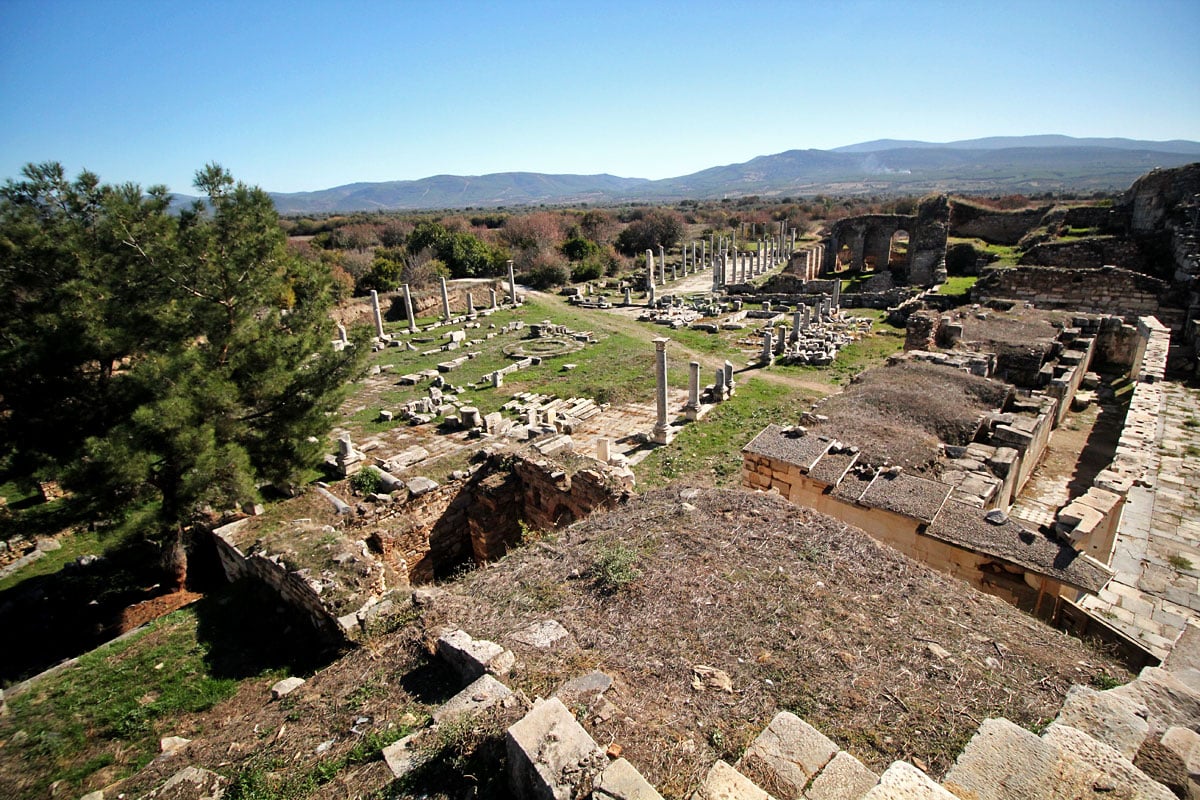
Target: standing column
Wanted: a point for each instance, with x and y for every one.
(445, 300)
(662, 264)
(378, 317)
(493, 291)
(711, 253)
(628, 296)
(512, 285)
(837, 294)
(470, 305)
(661, 431)
(704, 255)
(694, 268)
(649, 270)
(796, 324)
(719, 386)
(692, 409)
(729, 384)
(768, 355)
(408, 309)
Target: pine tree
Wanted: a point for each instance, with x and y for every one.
(151, 357)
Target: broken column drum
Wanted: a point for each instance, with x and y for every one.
(692, 409)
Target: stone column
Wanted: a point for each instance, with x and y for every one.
(445, 300)
(711, 251)
(376, 315)
(719, 386)
(408, 309)
(837, 294)
(662, 264)
(729, 384)
(692, 409)
(650, 270)
(628, 296)
(675, 272)
(661, 431)
(767, 356)
(796, 324)
(493, 291)
(470, 305)
(602, 450)
(650, 297)
(512, 285)
(780, 339)
(694, 268)
(343, 337)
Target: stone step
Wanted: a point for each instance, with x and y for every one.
(1006, 762)
(1168, 698)
(1116, 720)
(550, 755)
(620, 781)
(843, 778)
(788, 753)
(723, 782)
(903, 781)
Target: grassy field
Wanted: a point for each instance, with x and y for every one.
(102, 717)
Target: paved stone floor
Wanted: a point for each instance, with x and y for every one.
(1157, 558)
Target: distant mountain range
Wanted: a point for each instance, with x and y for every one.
(1007, 164)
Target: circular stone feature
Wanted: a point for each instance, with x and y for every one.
(544, 347)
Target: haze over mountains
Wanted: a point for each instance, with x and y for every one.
(1008, 164)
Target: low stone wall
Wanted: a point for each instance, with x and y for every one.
(1106, 290)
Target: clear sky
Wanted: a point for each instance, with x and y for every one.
(297, 95)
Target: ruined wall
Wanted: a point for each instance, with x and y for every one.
(475, 520)
(898, 531)
(1106, 290)
(870, 235)
(995, 227)
(1093, 252)
(291, 586)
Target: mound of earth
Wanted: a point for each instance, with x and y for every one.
(803, 613)
(900, 414)
(711, 610)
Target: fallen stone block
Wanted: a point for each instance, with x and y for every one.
(190, 783)
(402, 756)
(169, 745)
(550, 755)
(584, 688)
(286, 687)
(481, 695)
(472, 658)
(542, 635)
(1117, 773)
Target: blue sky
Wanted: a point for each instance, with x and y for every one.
(299, 96)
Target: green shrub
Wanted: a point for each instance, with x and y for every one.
(615, 568)
(365, 481)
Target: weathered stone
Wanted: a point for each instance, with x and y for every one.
(172, 744)
(723, 782)
(286, 687)
(1117, 721)
(1185, 743)
(402, 756)
(903, 781)
(420, 485)
(550, 754)
(584, 688)
(844, 778)
(471, 658)
(482, 694)
(542, 635)
(190, 783)
(791, 750)
(620, 781)
(1077, 749)
(1169, 700)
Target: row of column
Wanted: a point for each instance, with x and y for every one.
(723, 386)
(377, 313)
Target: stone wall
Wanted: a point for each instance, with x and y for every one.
(476, 519)
(1092, 251)
(995, 227)
(291, 586)
(1106, 290)
(870, 237)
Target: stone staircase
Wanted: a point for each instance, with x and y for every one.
(1139, 740)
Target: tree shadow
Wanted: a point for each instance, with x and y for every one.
(248, 630)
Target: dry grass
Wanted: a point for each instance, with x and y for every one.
(802, 612)
(899, 414)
